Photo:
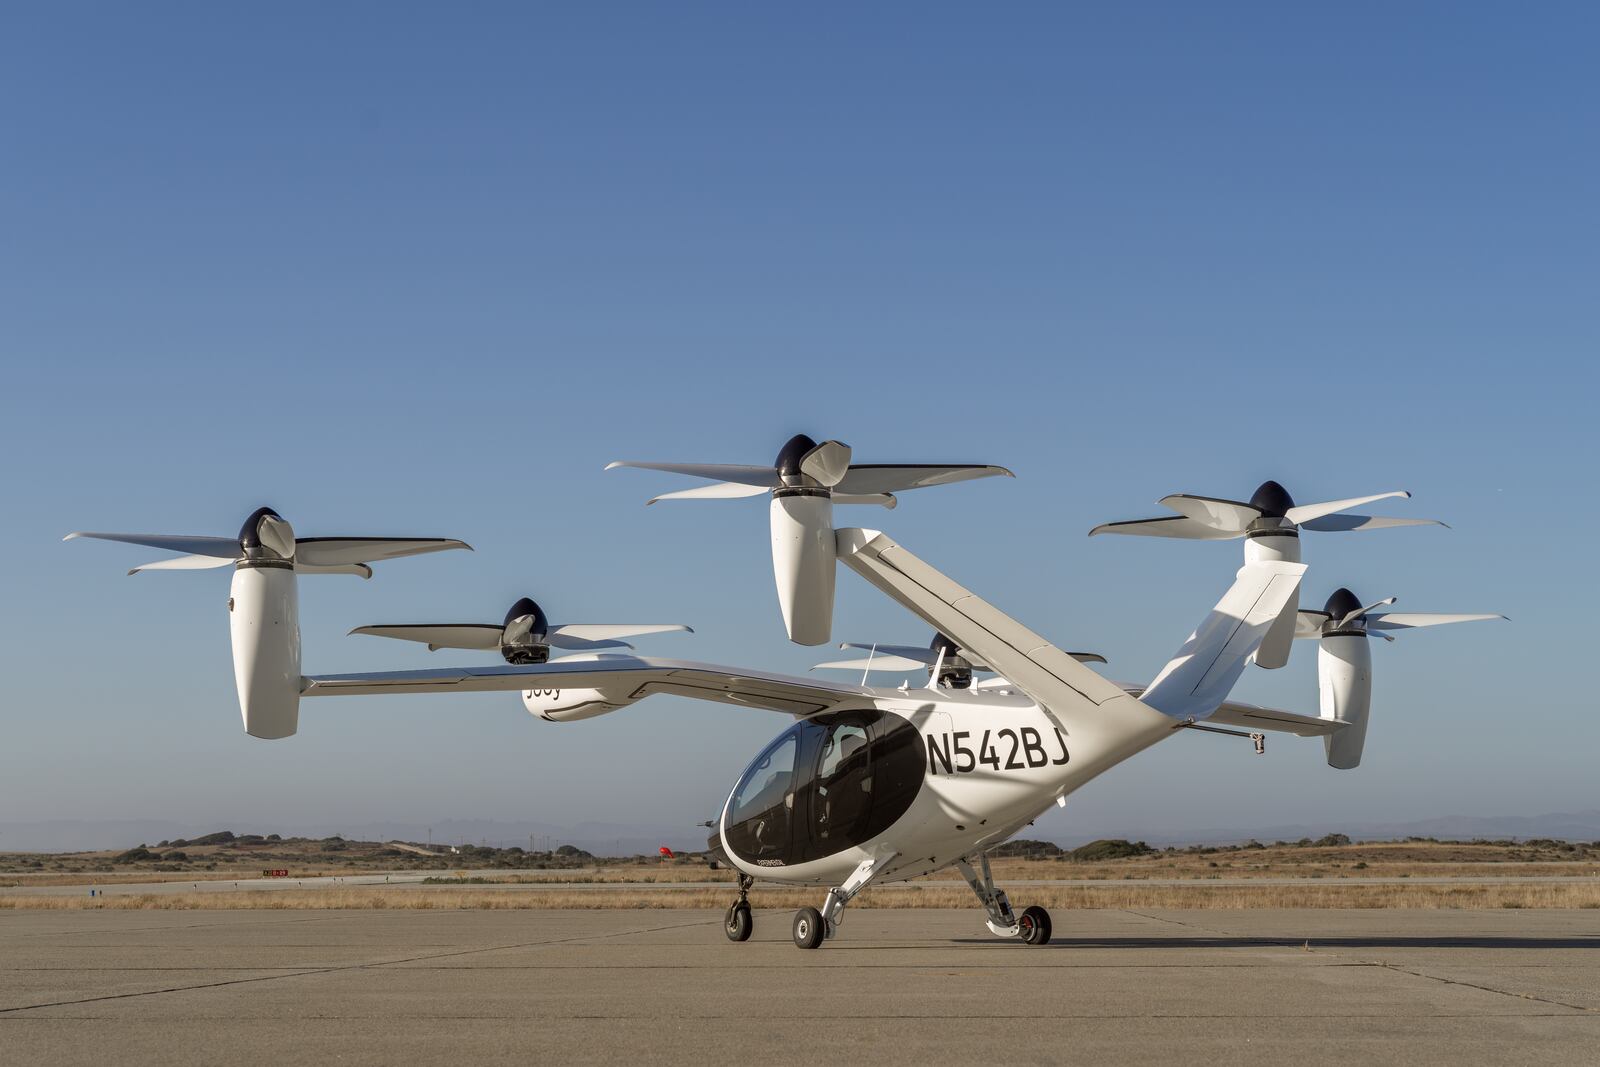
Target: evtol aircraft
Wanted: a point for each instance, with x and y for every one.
(867, 785)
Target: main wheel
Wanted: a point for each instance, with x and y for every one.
(737, 924)
(808, 928)
(1035, 923)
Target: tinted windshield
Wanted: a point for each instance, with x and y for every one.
(826, 784)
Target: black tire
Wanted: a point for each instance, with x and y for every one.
(737, 925)
(1035, 923)
(807, 928)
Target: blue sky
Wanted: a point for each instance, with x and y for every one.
(414, 269)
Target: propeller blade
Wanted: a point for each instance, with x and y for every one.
(766, 477)
(868, 479)
(335, 551)
(1352, 616)
(1230, 516)
(876, 663)
(578, 644)
(883, 500)
(184, 563)
(610, 631)
(1410, 620)
(1087, 657)
(1340, 523)
(223, 547)
(518, 630)
(360, 570)
(1309, 624)
(1379, 633)
(1181, 527)
(1304, 513)
(276, 534)
(477, 636)
(718, 491)
(922, 655)
(827, 464)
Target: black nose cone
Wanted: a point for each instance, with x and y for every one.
(1272, 500)
(1341, 603)
(941, 643)
(249, 533)
(790, 455)
(526, 606)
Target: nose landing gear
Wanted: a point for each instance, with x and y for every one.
(737, 924)
(812, 927)
(809, 929)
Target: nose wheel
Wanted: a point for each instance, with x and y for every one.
(737, 924)
(808, 928)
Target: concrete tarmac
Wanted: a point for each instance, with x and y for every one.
(895, 987)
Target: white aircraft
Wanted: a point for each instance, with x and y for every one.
(872, 785)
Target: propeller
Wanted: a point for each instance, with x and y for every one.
(526, 636)
(267, 539)
(804, 464)
(804, 482)
(1345, 616)
(1344, 667)
(954, 664)
(1270, 523)
(1270, 512)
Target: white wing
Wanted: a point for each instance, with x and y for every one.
(636, 677)
(1254, 717)
(1047, 674)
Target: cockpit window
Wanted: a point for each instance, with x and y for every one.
(828, 783)
(763, 806)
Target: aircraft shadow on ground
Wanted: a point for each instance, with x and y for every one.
(1591, 942)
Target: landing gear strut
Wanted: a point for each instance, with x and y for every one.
(737, 924)
(812, 927)
(1031, 928)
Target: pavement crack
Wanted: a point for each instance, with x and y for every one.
(1475, 985)
(364, 965)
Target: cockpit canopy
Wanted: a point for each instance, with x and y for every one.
(826, 784)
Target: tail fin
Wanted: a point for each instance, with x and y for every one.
(1196, 681)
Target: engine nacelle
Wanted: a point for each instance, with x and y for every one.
(1285, 547)
(570, 705)
(803, 563)
(1344, 676)
(264, 617)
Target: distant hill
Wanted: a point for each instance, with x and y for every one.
(609, 839)
(83, 835)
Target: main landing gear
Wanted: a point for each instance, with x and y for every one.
(813, 927)
(738, 924)
(1032, 927)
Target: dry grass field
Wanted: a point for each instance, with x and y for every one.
(1325, 874)
(1584, 894)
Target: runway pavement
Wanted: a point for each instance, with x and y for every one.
(914, 986)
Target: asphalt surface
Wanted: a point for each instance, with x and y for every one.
(913, 987)
(415, 879)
